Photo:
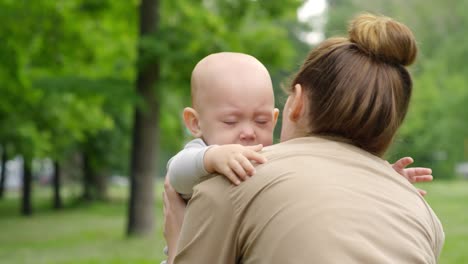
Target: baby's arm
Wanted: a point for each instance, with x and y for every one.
(413, 175)
(185, 169)
(196, 160)
(233, 161)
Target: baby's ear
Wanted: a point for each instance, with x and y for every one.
(275, 116)
(192, 122)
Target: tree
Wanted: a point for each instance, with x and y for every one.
(57, 201)
(26, 205)
(47, 108)
(3, 174)
(145, 130)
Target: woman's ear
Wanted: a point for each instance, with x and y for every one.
(296, 107)
(192, 121)
(275, 116)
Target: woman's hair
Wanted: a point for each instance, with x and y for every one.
(358, 87)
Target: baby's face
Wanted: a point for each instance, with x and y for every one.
(243, 114)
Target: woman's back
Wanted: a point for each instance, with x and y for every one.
(314, 201)
(322, 201)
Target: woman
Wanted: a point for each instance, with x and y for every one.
(325, 195)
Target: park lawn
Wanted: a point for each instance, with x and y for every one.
(85, 233)
(449, 199)
(94, 233)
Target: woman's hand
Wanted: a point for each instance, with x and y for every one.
(174, 210)
(413, 175)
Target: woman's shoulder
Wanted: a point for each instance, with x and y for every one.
(316, 146)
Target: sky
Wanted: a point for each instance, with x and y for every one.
(312, 12)
(311, 8)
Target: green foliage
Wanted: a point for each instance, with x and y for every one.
(68, 68)
(67, 76)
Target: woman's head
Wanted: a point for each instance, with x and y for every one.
(356, 88)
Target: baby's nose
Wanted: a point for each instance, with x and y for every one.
(247, 133)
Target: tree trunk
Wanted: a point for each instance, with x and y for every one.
(145, 132)
(3, 174)
(87, 178)
(26, 208)
(57, 202)
(100, 184)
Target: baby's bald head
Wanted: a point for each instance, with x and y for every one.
(232, 101)
(226, 70)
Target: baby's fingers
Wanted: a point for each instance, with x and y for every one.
(422, 192)
(402, 163)
(254, 156)
(256, 148)
(246, 165)
(422, 178)
(415, 172)
(229, 173)
(238, 169)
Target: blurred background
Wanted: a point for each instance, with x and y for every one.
(92, 91)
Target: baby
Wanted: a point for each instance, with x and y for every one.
(233, 106)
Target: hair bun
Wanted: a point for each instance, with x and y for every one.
(384, 38)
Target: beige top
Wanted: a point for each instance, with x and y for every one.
(314, 201)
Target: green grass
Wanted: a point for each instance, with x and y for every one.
(450, 202)
(95, 233)
(86, 233)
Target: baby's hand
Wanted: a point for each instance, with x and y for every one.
(412, 174)
(233, 161)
